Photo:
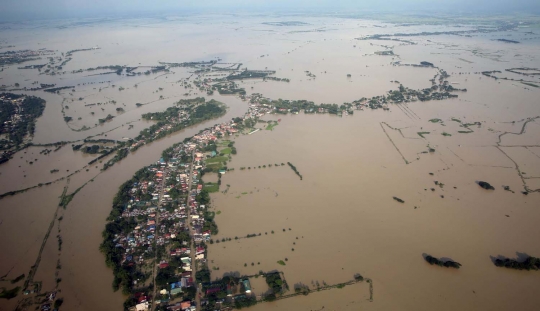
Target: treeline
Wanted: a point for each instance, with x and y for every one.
(276, 79)
(191, 101)
(531, 263)
(308, 106)
(120, 154)
(250, 74)
(295, 170)
(57, 89)
(107, 118)
(275, 282)
(102, 156)
(190, 64)
(436, 261)
(69, 53)
(169, 113)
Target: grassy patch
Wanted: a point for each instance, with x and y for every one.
(271, 126)
(435, 120)
(217, 160)
(421, 134)
(281, 262)
(456, 120)
(446, 134)
(465, 132)
(226, 151)
(211, 187)
(244, 193)
(218, 212)
(224, 143)
(215, 166)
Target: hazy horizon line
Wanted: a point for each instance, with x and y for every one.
(7, 16)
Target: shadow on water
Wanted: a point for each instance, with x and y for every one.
(235, 274)
(520, 257)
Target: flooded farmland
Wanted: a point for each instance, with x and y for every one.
(341, 217)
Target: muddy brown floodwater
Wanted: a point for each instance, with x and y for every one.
(341, 219)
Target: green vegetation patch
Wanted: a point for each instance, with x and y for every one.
(465, 132)
(295, 170)
(435, 120)
(274, 281)
(281, 262)
(211, 187)
(398, 199)
(436, 261)
(11, 293)
(421, 134)
(271, 126)
(214, 167)
(226, 151)
(17, 279)
(224, 143)
(217, 160)
(530, 263)
(446, 134)
(530, 84)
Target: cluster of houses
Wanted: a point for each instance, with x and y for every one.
(14, 57)
(174, 178)
(18, 114)
(159, 223)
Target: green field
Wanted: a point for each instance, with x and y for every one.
(215, 166)
(224, 143)
(211, 187)
(217, 160)
(226, 151)
(271, 126)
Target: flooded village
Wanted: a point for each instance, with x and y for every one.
(368, 164)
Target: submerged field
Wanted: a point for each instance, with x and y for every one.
(340, 218)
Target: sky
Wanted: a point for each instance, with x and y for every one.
(13, 10)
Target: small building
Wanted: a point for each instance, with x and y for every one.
(142, 306)
(185, 305)
(247, 286)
